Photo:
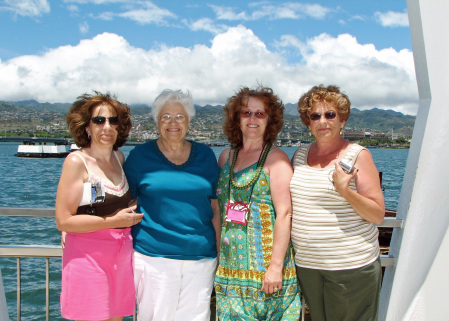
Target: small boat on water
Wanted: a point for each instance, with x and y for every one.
(73, 147)
(29, 149)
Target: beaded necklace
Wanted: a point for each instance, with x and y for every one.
(260, 163)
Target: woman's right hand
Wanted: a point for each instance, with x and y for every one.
(128, 217)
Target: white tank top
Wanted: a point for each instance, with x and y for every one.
(327, 233)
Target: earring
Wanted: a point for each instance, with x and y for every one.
(341, 131)
(310, 133)
(88, 136)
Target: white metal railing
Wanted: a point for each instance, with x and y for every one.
(36, 251)
(51, 251)
(392, 222)
(385, 260)
(40, 251)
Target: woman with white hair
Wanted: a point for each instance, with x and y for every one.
(175, 246)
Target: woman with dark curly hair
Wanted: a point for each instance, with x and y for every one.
(256, 277)
(92, 207)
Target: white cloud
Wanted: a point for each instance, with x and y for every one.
(73, 8)
(96, 1)
(107, 15)
(371, 78)
(392, 19)
(148, 13)
(358, 18)
(28, 8)
(107, 62)
(299, 10)
(142, 12)
(288, 10)
(227, 13)
(84, 27)
(205, 24)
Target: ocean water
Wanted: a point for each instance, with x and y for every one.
(32, 183)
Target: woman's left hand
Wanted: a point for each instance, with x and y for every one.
(367, 200)
(272, 281)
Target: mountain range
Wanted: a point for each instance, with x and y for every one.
(360, 120)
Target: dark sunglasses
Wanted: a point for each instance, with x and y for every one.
(327, 115)
(257, 114)
(100, 120)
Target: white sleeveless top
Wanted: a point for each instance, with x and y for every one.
(117, 190)
(327, 233)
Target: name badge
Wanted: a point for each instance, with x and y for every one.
(93, 192)
(237, 212)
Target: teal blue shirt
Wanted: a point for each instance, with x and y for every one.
(175, 201)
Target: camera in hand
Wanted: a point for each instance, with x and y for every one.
(346, 167)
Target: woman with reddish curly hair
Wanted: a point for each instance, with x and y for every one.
(255, 279)
(274, 110)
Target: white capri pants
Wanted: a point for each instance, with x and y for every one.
(177, 290)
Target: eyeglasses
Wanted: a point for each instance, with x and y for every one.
(179, 118)
(100, 120)
(257, 114)
(327, 115)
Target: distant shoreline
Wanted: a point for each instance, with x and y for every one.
(218, 143)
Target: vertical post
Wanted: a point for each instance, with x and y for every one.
(417, 288)
(18, 289)
(47, 288)
(3, 307)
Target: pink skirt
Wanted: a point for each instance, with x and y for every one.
(97, 276)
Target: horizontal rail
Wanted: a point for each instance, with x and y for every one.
(391, 222)
(47, 251)
(55, 251)
(24, 211)
(387, 261)
(39, 251)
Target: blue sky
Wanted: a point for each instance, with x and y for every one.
(56, 50)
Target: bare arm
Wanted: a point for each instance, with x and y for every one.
(216, 221)
(223, 157)
(280, 172)
(368, 201)
(121, 157)
(68, 197)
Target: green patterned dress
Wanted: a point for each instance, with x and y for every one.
(245, 255)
